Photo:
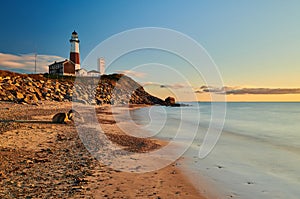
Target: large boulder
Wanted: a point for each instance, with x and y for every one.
(170, 101)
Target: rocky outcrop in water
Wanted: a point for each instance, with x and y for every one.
(109, 89)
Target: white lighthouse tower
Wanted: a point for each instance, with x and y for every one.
(74, 52)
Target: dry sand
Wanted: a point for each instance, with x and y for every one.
(45, 160)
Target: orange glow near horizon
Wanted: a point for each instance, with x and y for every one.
(206, 97)
(255, 98)
(184, 95)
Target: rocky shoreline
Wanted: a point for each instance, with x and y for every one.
(109, 89)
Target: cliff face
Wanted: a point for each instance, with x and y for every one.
(109, 89)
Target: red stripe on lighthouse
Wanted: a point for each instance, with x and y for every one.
(74, 57)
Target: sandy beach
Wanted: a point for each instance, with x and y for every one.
(46, 160)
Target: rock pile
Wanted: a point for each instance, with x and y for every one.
(27, 90)
(109, 89)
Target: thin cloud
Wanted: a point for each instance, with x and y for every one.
(26, 62)
(174, 86)
(242, 91)
(12, 64)
(132, 73)
(271, 91)
(168, 86)
(149, 84)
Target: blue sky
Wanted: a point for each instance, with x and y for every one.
(254, 43)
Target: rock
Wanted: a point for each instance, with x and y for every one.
(57, 90)
(34, 99)
(19, 96)
(93, 102)
(27, 99)
(39, 94)
(29, 161)
(31, 89)
(170, 101)
(10, 87)
(11, 97)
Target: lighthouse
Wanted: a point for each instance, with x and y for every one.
(74, 52)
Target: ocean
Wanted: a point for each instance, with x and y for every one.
(256, 156)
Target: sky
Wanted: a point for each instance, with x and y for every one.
(254, 44)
